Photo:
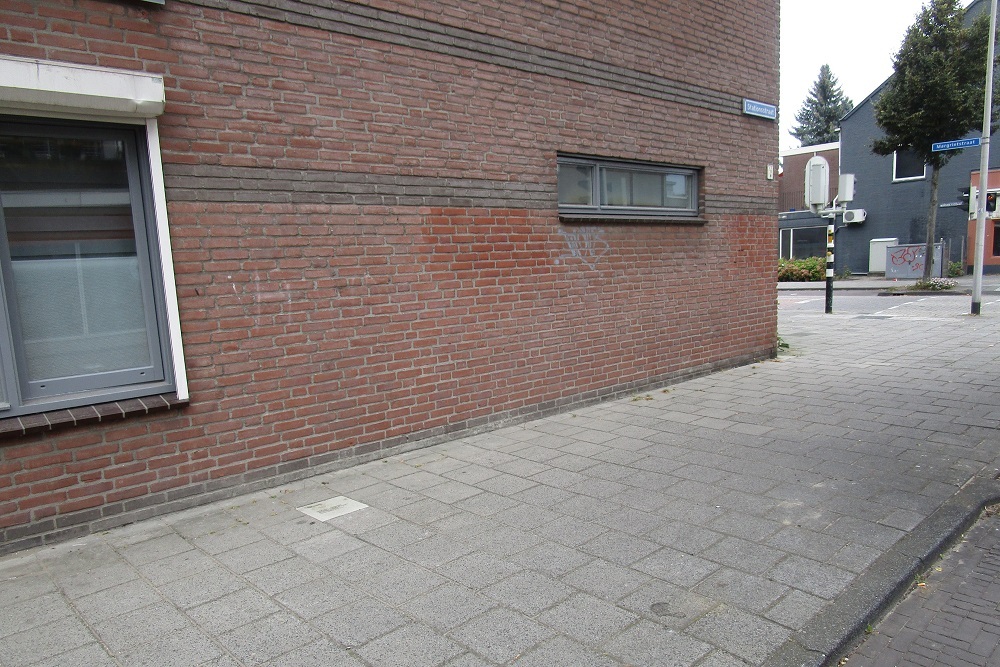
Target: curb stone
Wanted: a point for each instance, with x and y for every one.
(841, 625)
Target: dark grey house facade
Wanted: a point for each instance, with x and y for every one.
(895, 193)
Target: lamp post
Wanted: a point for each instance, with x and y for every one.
(984, 169)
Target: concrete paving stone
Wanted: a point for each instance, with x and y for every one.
(570, 531)
(522, 468)
(599, 487)
(363, 562)
(742, 590)
(451, 491)
(689, 512)
(180, 648)
(620, 548)
(140, 626)
(478, 570)
(676, 567)
(400, 583)
(111, 602)
(500, 635)
(587, 507)
(417, 480)
(606, 580)
(185, 592)
(253, 556)
(650, 480)
(746, 526)
(319, 596)
(642, 500)
(699, 492)
(571, 462)
(322, 653)
(806, 543)
(386, 496)
(504, 541)
(865, 532)
(233, 610)
(91, 655)
(227, 538)
(542, 495)
(326, 546)
(796, 609)
(425, 511)
(34, 612)
(78, 579)
(681, 536)
(447, 606)
(648, 643)
(587, 619)
(44, 641)
(486, 504)
(395, 535)
(122, 536)
(280, 576)
(362, 520)
(505, 484)
(527, 516)
(528, 591)
(178, 566)
(267, 638)
(743, 555)
(551, 558)
(434, 551)
(722, 659)
(744, 635)
(564, 652)
(410, 645)
(359, 622)
(825, 581)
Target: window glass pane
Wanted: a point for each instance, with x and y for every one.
(647, 189)
(996, 240)
(680, 191)
(785, 244)
(78, 305)
(576, 184)
(616, 186)
(809, 242)
(908, 165)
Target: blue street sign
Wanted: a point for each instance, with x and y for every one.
(760, 109)
(954, 145)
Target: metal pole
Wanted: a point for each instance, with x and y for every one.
(984, 169)
(829, 263)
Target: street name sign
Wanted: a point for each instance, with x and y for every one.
(954, 145)
(760, 109)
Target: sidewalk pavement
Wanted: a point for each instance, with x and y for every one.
(763, 515)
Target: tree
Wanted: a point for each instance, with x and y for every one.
(819, 118)
(935, 94)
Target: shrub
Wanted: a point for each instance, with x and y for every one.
(956, 269)
(935, 284)
(802, 270)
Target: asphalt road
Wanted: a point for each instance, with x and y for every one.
(876, 305)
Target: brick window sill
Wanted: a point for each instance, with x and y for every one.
(14, 427)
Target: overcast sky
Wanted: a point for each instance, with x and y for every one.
(856, 38)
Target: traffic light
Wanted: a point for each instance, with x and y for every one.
(963, 198)
(991, 201)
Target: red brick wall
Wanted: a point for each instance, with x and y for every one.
(365, 234)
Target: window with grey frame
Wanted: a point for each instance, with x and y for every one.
(81, 299)
(907, 166)
(610, 188)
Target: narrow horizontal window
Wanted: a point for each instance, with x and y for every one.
(590, 186)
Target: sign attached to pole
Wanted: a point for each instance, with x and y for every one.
(760, 109)
(954, 145)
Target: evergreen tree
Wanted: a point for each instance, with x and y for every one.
(936, 92)
(819, 118)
